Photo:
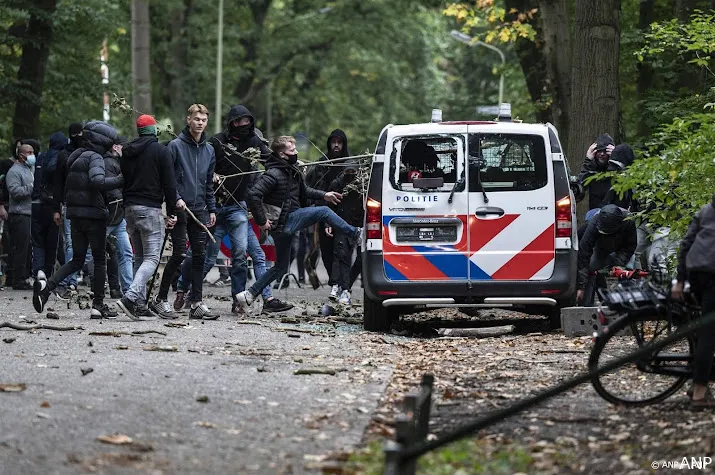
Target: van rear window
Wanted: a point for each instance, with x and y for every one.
(506, 162)
(426, 157)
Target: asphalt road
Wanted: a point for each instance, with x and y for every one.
(223, 398)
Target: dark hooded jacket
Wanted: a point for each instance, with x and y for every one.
(113, 197)
(194, 165)
(228, 162)
(281, 185)
(148, 172)
(623, 157)
(351, 207)
(60, 175)
(46, 168)
(697, 249)
(620, 242)
(87, 183)
(321, 176)
(597, 189)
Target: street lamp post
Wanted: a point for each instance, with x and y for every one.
(466, 39)
(219, 68)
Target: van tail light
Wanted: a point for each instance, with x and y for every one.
(373, 219)
(563, 217)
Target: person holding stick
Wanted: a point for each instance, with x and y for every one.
(149, 181)
(194, 164)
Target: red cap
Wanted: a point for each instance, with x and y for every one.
(145, 120)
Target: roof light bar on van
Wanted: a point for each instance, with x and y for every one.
(436, 115)
(504, 112)
(373, 219)
(563, 217)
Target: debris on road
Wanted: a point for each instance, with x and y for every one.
(86, 371)
(53, 316)
(8, 340)
(314, 371)
(203, 399)
(169, 348)
(12, 387)
(115, 439)
(477, 332)
(36, 327)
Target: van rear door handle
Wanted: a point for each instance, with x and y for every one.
(489, 211)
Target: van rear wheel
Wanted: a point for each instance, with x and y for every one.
(376, 318)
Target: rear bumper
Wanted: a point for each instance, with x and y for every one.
(560, 288)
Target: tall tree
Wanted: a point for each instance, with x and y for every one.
(595, 93)
(141, 74)
(36, 40)
(644, 69)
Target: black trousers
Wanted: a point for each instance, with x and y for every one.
(20, 229)
(112, 266)
(327, 248)
(86, 234)
(45, 237)
(197, 238)
(703, 287)
(342, 261)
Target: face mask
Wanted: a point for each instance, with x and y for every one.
(292, 159)
(349, 177)
(31, 160)
(241, 131)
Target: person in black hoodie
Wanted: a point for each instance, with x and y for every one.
(597, 161)
(45, 232)
(610, 240)
(320, 177)
(696, 263)
(278, 202)
(148, 171)
(86, 186)
(351, 210)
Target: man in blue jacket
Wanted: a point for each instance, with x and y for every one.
(194, 164)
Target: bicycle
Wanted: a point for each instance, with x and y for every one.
(600, 279)
(648, 314)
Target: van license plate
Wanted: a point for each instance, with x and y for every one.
(427, 234)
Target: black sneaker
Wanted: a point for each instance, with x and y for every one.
(129, 308)
(63, 293)
(274, 306)
(102, 311)
(40, 294)
(201, 312)
(163, 309)
(145, 314)
(115, 294)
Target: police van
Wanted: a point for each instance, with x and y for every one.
(468, 214)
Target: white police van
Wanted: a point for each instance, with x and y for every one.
(468, 214)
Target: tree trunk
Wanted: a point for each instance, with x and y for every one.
(595, 97)
(178, 68)
(644, 69)
(556, 27)
(532, 61)
(31, 75)
(141, 74)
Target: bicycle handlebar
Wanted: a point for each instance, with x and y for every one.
(622, 274)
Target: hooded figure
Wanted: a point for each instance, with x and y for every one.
(621, 157)
(234, 140)
(597, 189)
(46, 168)
(609, 240)
(75, 137)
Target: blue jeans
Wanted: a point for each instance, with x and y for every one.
(72, 278)
(125, 256)
(298, 220)
(146, 227)
(231, 220)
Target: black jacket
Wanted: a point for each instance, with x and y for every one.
(621, 243)
(697, 249)
(113, 197)
(351, 207)
(229, 163)
(622, 157)
(148, 173)
(46, 169)
(321, 176)
(597, 189)
(87, 183)
(60, 175)
(281, 185)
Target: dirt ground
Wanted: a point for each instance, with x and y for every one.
(577, 432)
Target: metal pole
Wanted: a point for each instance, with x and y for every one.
(269, 110)
(219, 68)
(468, 40)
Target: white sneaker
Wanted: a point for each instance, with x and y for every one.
(334, 293)
(41, 275)
(244, 299)
(345, 298)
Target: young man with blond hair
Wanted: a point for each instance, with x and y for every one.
(194, 164)
(278, 202)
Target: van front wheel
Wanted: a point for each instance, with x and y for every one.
(376, 318)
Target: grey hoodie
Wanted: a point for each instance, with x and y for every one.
(697, 249)
(20, 180)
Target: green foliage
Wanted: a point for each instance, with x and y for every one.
(693, 40)
(492, 17)
(467, 456)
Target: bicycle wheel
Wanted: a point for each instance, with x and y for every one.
(636, 383)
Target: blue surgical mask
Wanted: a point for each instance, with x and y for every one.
(31, 160)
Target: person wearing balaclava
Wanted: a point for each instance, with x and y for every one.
(351, 210)
(20, 182)
(610, 240)
(320, 177)
(598, 160)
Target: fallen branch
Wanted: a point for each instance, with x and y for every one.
(496, 363)
(249, 322)
(37, 327)
(203, 226)
(314, 371)
(477, 332)
(119, 333)
(561, 351)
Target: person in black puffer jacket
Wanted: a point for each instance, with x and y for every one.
(320, 177)
(278, 202)
(85, 190)
(597, 161)
(45, 232)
